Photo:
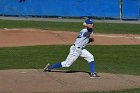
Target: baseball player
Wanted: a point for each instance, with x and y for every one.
(78, 49)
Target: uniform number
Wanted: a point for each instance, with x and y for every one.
(79, 35)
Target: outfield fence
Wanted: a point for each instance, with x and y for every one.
(119, 9)
(131, 9)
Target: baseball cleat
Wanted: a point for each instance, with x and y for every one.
(94, 75)
(46, 69)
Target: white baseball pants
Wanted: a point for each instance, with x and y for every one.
(74, 53)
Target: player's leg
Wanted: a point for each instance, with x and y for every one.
(72, 56)
(90, 58)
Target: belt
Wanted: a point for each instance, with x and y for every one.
(75, 46)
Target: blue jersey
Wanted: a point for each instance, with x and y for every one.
(83, 37)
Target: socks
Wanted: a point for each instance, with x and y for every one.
(56, 65)
(91, 66)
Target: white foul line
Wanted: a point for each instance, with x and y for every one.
(132, 37)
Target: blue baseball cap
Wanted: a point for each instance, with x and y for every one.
(88, 21)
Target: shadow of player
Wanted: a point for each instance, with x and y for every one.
(70, 71)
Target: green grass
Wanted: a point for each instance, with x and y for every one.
(72, 26)
(122, 59)
(113, 59)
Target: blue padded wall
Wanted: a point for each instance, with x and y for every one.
(131, 9)
(72, 8)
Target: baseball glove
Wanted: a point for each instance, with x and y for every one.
(91, 40)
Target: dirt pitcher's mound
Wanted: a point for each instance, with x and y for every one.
(34, 80)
